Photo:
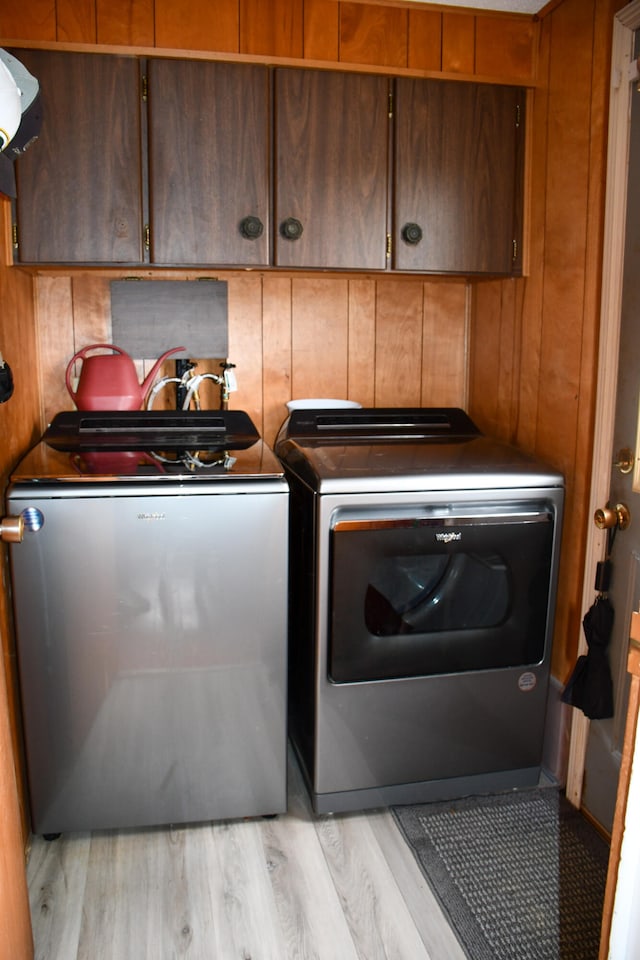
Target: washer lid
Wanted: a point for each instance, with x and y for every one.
(94, 430)
(402, 449)
(157, 446)
(370, 424)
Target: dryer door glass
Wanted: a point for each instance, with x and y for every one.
(432, 592)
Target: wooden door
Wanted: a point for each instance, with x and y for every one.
(208, 162)
(331, 149)
(79, 184)
(457, 177)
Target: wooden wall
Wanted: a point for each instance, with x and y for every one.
(21, 415)
(15, 932)
(375, 34)
(534, 341)
(383, 342)
(20, 424)
(520, 354)
(377, 340)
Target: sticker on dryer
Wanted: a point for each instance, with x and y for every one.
(527, 681)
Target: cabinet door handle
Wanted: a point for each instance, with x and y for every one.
(251, 228)
(291, 229)
(412, 233)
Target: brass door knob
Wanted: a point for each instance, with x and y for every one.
(625, 460)
(12, 529)
(607, 518)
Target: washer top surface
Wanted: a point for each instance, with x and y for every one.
(150, 446)
(402, 449)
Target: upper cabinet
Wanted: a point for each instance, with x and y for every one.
(331, 157)
(79, 187)
(458, 177)
(176, 162)
(209, 176)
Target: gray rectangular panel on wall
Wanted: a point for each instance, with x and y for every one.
(151, 316)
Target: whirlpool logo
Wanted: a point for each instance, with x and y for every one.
(152, 516)
(448, 537)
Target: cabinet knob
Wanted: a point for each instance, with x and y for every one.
(412, 233)
(291, 229)
(251, 228)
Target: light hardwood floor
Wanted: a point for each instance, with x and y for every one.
(336, 887)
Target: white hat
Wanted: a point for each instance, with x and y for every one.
(10, 106)
(16, 134)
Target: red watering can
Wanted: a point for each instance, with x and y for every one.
(109, 381)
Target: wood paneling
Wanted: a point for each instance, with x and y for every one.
(444, 377)
(76, 21)
(362, 341)
(277, 376)
(319, 338)
(198, 25)
(127, 22)
(379, 341)
(425, 40)
(373, 34)
(505, 47)
(91, 306)
(458, 43)
(399, 321)
(20, 425)
(272, 27)
(496, 336)
(534, 341)
(33, 21)
(321, 30)
(531, 343)
(15, 937)
(485, 358)
(20, 416)
(57, 340)
(566, 325)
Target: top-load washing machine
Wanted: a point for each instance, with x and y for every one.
(150, 594)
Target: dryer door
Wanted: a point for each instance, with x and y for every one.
(440, 590)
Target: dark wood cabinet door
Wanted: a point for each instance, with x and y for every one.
(79, 185)
(208, 162)
(331, 149)
(457, 177)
